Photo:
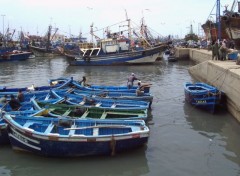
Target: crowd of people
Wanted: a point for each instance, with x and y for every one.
(221, 49)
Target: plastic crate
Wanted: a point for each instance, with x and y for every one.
(233, 56)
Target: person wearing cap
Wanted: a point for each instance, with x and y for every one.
(14, 103)
(131, 79)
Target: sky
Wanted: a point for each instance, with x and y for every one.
(164, 17)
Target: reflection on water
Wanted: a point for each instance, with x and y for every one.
(183, 140)
(130, 163)
(220, 128)
(4, 171)
(203, 120)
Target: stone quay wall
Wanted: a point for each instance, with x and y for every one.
(225, 75)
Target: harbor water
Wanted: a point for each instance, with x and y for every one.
(183, 140)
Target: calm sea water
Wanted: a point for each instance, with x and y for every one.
(183, 140)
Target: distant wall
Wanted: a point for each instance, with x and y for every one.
(196, 55)
(182, 53)
(199, 55)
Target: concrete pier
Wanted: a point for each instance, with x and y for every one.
(225, 75)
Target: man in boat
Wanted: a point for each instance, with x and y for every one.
(88, 101)
(14, 103)
(140, 89)
(64, 101)
(84, 82)
(78, 112)
(131, 79)
(20, 96)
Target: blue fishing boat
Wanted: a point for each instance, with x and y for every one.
(203, 96)
(4, 139)
(28, 105)
(73, 138)
(86, 101)
(58, 83)
(115, 95)
(172, 59)
(77, 85)
(13, 55)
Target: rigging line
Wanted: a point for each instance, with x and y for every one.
(218, 76)
(224, 75)
(220, 86)
(155, 31)
(139, 27)
(105, 27)
(211, 11)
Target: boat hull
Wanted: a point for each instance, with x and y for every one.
(129, 58)
(102, 103)
(48, 137)
(68, 148)
(61, 83)
(41, 52)
(3, 134)
(15, 56)
(233, 29)
(211, 30)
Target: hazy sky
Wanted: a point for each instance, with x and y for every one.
(72, 16)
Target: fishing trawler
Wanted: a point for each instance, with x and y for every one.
(118, 49)
(231, 20)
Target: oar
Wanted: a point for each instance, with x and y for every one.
(4, 106)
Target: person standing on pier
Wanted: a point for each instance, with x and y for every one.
(215, 51)
(223, 50)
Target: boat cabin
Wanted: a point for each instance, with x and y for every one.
(111, 45)
(106, 46)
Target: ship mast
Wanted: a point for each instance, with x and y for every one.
(129, 27)
(218, 19)
(48, 37)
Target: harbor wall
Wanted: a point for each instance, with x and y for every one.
(225, 75)
(182, 53)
